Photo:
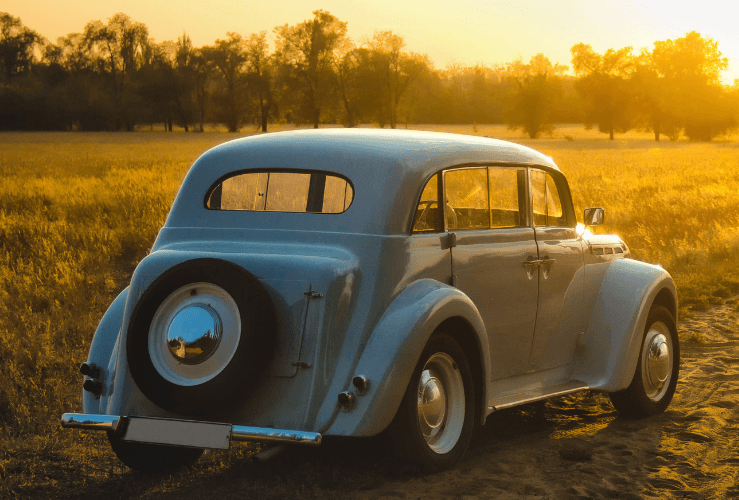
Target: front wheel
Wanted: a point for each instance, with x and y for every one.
(655, 379)
(436, 417)
(152, 458)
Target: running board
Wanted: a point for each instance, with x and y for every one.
(536, 395)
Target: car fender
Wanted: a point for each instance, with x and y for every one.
(612, 342)
(102, 347)
(394, 348)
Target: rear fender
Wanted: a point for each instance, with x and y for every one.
(394, 349)
(103, 345)
(613, 337)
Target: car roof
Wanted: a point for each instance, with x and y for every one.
(388, 169)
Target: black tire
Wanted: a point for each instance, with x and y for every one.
(446, 448)
(643, 398)
(153, 458)
(251, 353)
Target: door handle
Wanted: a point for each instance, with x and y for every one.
(546, 261)
(529, 265)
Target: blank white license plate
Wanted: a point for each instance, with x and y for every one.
(178, 433)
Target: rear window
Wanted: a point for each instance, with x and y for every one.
(281, 191)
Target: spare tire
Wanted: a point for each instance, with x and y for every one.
(200, 336)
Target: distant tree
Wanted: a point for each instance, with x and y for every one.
(200, 67)
(261, 76)
(306, 56)
(119, 49)
(603, 82)
(158, 84)
(229, 57)
(17, 45)
(651, 103)
(396, 69)
(535, 91)
(689, 69)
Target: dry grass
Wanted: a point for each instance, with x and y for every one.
(77, 211)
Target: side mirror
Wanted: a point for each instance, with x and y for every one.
(594, 216)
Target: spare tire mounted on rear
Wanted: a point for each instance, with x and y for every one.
(203, 329)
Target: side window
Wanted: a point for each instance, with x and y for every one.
(506, 186)
(546, 201)
(467, 198)
(275, 191)
(428, 217)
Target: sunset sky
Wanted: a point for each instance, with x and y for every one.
(466, 31)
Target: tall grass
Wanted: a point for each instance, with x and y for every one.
(77, 211)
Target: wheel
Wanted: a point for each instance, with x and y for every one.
(152, 458)
(436, 417)
(655, 379)
(203, 329)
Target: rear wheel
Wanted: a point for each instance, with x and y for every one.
(436, 417)
(653, 386)
(152, 458)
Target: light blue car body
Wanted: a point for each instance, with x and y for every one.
(384, 289)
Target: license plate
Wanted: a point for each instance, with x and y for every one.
(178, 433)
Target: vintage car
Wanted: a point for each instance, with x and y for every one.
(348, 282)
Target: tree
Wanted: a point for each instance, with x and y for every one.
(17, 44)
(260, 74)
(306, 55)
(119, 49)
(535, 91)
(690, 72)
(229, 58)
(201, 71)
(603, 81)
(396, 69)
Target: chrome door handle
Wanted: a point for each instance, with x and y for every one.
(532, 262)
(546, 261)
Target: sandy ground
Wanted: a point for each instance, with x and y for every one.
(577, 447)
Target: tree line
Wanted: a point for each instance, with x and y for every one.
(114, 76)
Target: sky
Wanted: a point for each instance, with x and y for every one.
(465, 32)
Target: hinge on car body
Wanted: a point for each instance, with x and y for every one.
(314, 295)
(301, 364)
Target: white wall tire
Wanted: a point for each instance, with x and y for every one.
(655, 379)
(437, 415)
(200, 379)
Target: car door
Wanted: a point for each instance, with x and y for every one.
(486, 211)
(560, 254)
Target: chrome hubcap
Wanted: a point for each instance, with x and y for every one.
(194, 334)
(441, 403)
(431, 405)
(657, 362)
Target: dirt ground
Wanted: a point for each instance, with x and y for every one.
(570, 447)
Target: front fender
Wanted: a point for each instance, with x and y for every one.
(613, 338)
(395, 347)
(102, 347)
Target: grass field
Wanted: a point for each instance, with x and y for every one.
(78, 211)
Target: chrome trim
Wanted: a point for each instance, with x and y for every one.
(538, 398)
(92, 422)
(238, 432)
(244, 433)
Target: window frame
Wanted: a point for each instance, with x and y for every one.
(559, 178)
(565, 197)
(311, 193)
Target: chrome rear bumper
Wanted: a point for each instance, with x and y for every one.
(118, 424)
